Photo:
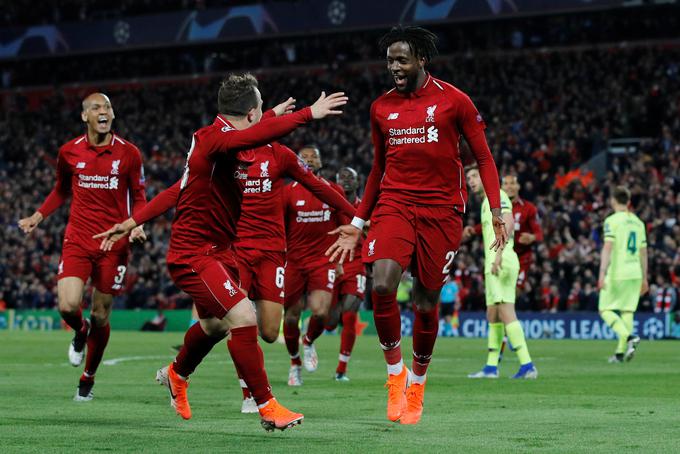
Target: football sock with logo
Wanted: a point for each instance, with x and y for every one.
(618, 326)
(291, 334)
(248, 358)
(197, 344)
(425, 329)
(516, 337)
(347, 339)
(495, 339)
(314, 329)
(388, 324)
(97, 341)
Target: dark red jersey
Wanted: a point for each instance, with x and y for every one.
(416, 141)
(106, 184)
(526, 221)
(208, 196)
(308, 221)
(261, 225)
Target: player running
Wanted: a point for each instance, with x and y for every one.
(527, 228)
(500, 281)
(201, 259)
(261, 246)
(418, 191)
(350, 287)
(308, 221)
(623, 273)
(104, 175)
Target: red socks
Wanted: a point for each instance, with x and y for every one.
(97, 341)
(347, 338)
(197, 344)
(75, 321)
(388, 324)
(249, 360)
(425, 328)
(314, 329)
(291, 333)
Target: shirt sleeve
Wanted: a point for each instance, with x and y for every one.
(137, 183)
(61, 190)
(534, 223)
(472, 126)
(268, 114)
(372, 189)
(261, 133)
(298, 171)
(608, 230)
(159, 204)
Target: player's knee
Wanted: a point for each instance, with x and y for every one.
(69, 304)
(100, 316)
(269, 335)
(382, 288)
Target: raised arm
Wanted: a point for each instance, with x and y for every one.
(267, 131)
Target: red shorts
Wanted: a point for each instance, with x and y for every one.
(107, 269)
(426, 238)
(262, 273)
(307, 277)
(210, 279)
(353, 281)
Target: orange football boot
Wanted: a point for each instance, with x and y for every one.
(178, 390)
(276, 416)
(396, 397)
(414, 404)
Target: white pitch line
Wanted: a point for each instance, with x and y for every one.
(115, 361)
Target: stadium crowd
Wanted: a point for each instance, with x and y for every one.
(547, 114)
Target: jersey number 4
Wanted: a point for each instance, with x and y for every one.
(631, 246)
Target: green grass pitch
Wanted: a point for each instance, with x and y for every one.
(579, 403)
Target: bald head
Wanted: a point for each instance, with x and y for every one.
(97, 114)
(349, 180)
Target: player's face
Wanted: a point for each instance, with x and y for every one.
(98, 113)
(474, 181)
(511, 186)
(404, 67)
(255, 114)
(311, 157)
(348, 180)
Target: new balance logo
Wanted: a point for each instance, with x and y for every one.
(432, 134)
(393, 116)
(80, 165)
(300, 203)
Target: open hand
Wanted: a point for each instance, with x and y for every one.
(328, 105)
(286, 107)
(345, 244)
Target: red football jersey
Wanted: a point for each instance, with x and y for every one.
(261, 225)
(526, 221)
(416, 141)
(308, 221)
(106, 183)
(209, 194)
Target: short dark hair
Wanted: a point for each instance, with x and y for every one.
(311, 146)
(237, 95)
(471, 167)
(621, 195)
(423, 43)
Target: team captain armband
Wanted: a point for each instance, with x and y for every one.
(358, 223)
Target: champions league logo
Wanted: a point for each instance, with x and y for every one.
(653, 329)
